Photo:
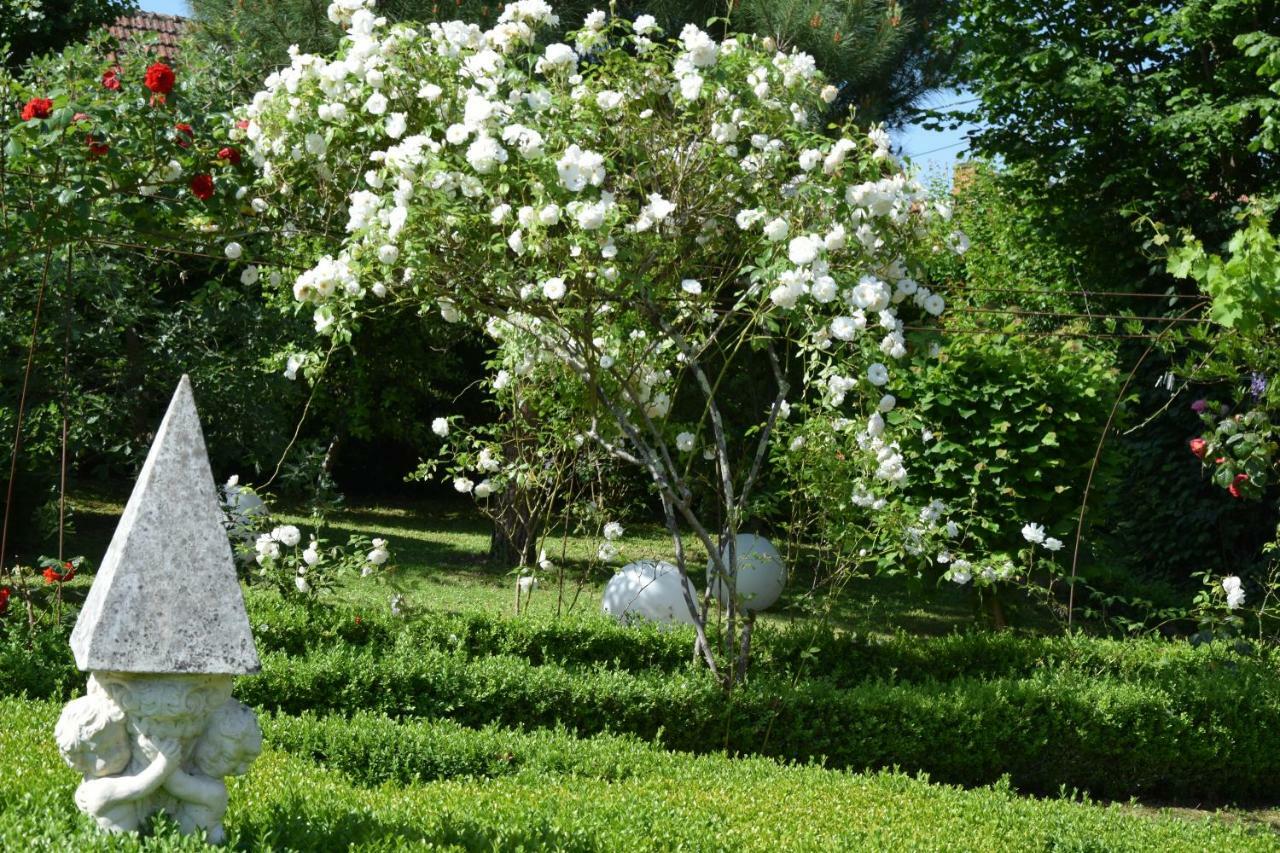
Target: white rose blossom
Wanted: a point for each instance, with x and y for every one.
(1235, 592)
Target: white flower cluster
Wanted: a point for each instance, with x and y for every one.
(1235, 592)
(1034, 533)
(508, 187)
(268, 544)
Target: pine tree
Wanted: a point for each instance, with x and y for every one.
(880, 52)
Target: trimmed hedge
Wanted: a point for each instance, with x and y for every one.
(1204, 734)
(807, 651)
(693, 803)
(1118, 719)
(373, 749)
(796, 652)
(295, 629)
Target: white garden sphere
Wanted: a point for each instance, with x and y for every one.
(243, 507)
(652, 590)
(761, 573)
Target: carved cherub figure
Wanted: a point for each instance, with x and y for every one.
(229, 744)
(174, 759)
(93, 739)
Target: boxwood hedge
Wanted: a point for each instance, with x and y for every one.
(1204, 734)
(708, 803)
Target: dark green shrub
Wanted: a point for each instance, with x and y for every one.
(294, 628)
(1188, 727)
(46, 669)
(796, 651)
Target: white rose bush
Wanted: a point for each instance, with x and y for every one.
(634, 217)
(279, 555)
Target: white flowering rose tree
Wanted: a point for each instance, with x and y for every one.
(641, 215)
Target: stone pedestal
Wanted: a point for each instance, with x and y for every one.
(162, 633)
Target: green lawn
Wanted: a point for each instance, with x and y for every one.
(441, 546)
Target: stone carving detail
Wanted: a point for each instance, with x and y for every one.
(155, 743)
(163, 632)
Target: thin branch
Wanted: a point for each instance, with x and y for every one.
(22, 406)
(762, 448)
(315, 386)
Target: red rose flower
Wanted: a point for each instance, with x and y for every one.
(159, 79)
(96, 148)
(202, 187)
(52, 575)
(1234, 488)
(243, 124)
(4, 599)
(183, 128)
(37, 108)
(1219, 460)
(111, 80)
(231, 155)
(1198, 446)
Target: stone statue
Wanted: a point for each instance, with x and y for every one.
(163, 632)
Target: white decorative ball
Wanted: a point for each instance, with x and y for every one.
(761, 574)
(244, 509)
(652, 590)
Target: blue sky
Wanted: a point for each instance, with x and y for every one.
(168, 7)
(935, 152)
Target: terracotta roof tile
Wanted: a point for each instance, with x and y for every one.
(167, 30)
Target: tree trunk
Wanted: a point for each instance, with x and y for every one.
(514, 539)
(996, 609)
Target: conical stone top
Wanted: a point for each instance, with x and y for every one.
(166, 599)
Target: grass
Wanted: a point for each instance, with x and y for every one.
(441, 551)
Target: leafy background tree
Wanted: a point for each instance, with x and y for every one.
(1105, 118)
(34, 27)
(881, 51)
(1108, 111)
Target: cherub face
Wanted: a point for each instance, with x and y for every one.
(92, 738)
(219, 763)
(230, 743)
(108, 751)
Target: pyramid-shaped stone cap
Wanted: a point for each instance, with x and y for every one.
(166, 599)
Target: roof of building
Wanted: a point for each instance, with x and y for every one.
(166, 29)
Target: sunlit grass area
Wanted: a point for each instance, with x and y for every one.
(441, 563)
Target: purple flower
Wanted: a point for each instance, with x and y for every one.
(1199, 406)
(1257, 385)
